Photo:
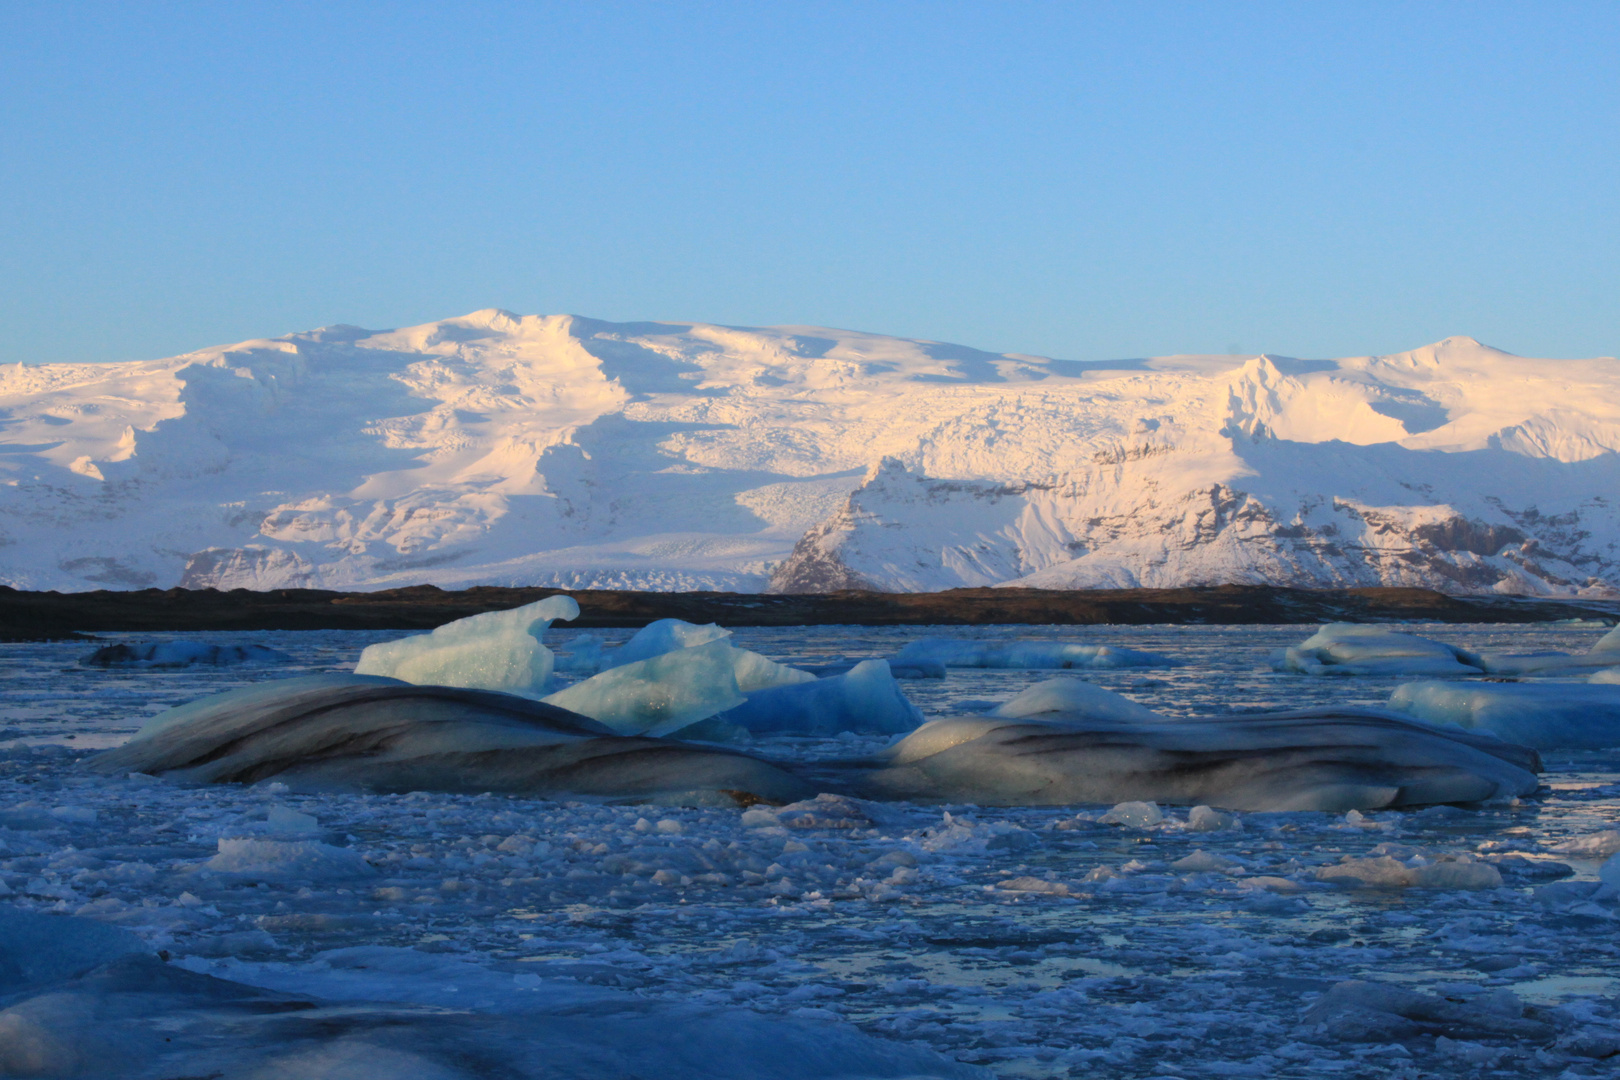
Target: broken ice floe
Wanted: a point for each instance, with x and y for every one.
(1095, 747)
(366, 733)
(1357, 649)
(181, 654)
(1543, 715)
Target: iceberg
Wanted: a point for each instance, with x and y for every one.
(659, 695)
(1358, 649)
(666, 636)
(865, 700)
(181, 654)
(1576, 716)
(368, 733)
(951, 652)
(498, 650)
(1329, 759)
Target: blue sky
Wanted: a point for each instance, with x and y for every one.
(1078, 180)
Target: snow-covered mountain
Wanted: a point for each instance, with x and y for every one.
(497, 449)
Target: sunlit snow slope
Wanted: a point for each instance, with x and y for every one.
(561, 450)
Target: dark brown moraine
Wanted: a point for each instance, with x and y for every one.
(37, 616)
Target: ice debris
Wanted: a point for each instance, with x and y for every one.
(366, 733)
(1386, 871)
(498, 650)
(180, 654)
(1543, 715)
(1361, 1011)
(951, 652)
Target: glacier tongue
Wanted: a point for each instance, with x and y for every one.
(568, 452)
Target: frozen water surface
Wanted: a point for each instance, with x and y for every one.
(1035, 942)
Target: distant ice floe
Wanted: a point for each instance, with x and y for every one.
(1543, 715)
(366, 733)
(950, 652)
(180, 654)
(1068, 745)
(86, 999)
(1359, 649)
(1602, 657)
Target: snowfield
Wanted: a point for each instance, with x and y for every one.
(498, 449)
(459, 935)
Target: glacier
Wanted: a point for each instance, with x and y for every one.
(568, 452)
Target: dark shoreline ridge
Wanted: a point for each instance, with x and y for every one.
(35, 616)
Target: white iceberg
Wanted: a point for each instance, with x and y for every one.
(365, 733)
(951, 652)
(1357, 649)
(498, 650)
(1330, 759)
(865, 700)
(1542, 715)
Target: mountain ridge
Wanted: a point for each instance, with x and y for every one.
(564, 451)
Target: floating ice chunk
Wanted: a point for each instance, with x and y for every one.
(364, 733)
(1209, 819)
(1542, 715)
(1024, 654)
(1203, 862)
(1594, 846)
(498, 650)
(660, 695)
(249, 858)
(1385, 871)
(179, 654)
(1033, 885)
(1377, 1012)
(1356, 649)
(666, 636)
(1312, 759)
(1074, 697)
(755, 672)
(865, 700)
(1136, 815)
